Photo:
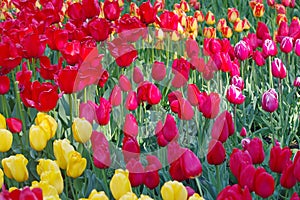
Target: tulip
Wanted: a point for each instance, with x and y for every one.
(195, 197)
(82, 130)
(258, 10)
(6, 140)
(185, 111)
(238, 161)
(130, 148)
(270, 100)
(33, 45)
(192, 94)
(154, 95)
(115, 97)
(66, 79)
(286, 44)
(237, 81)
(271, 3)
(278, 68)
(209, 32)
(49, 191)
(192, 48)
(234, 192)
(264, 184)
(190, 171)
(279, 158)
(134, 10)
(246, 177)
(46, 165)
(97, 24)
(269, 48)
(297, 47)
(4, 85)
(47, 123)
(209, 105)
(243, 132)
(87, 111)
(111, 10)
(223, 127)
(295, 196)
(131, 102)
(130, 126)
(53, 178)
(103, 112)
(158, 71)
(234, 95)
(136, 172)
(173, 190)
(25, 193)
(232, 14)
(216, 153)
(120, 184)
(258, 58)
(168, 21)
(256, 150)
(242, 50)
(38, 138)
(124, 83)
(199, 16)
(226, 32)
(147, 12)
(100, 147)
(246, 24)
(91, 8)
(297, 82)
(238, 25)
(145, 197)
(14, 125)
(75, 165)
(129, 196)
(96, 195)
(287, 179)
(2, 122)
(297, 166)
(15, 167)
(210, 18)
(137, 75)
(1, 177)
(181, 70)
(61, 149)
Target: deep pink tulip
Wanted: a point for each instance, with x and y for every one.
(242, 50)
(138, 76)
(131, 127)
(216, 152)
(124, 83)
(158, 71)
(286, 44)
(234, 95)
(256, 150)
(270, 100)
(278, 68)
(131, 102)
(103, 111)
(115, 97)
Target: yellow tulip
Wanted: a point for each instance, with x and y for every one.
(94, 195)
(55, 179)
(47, 123)
(129, 196)
(76, 164)
(173, 190)
(82, 130)
(120, 184)
(61, 149)
(15, 167)
(2, 122)
(46, 165)
(49, 192)
(145, 197)
(6, 140)
(38, 138)
(1, 178)
(196, 196)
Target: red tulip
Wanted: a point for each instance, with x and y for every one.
(131, 102)
(115, 97)
(209, 105)
(258, 58)
(10, 56)
(297, 166)
(279, 158)
(66, 79)
(48, 71)
(158, 71)
(176, 171)
(25, 193)
(88, 111)
(256, 150)
(142, 91)
(181, 70)
(56, 38)
(136, 172)
(264, 184)
(237, 81)
(192, 94)
(33, 45)
(75, 12)
(234, 192)
(234, 95)
(287, 179)
(4, 85)
(286, 44)
(223, 127)
(100, 147)
(242, 50)
(271, 3)
(295, 196)
(147, 12)
(270, 100)
(278, 68)
(190, 171)
(154, 94)
(192, 48)
(103, 111)
(161, 140)
(124, 83)
(239, 160)
(91, 8)
(130, 148)
(111, 10)
(169, 130)
(151, 176)
(243, 132)
(103, 79)
(246, 178)
(185, 111)
(269, 48)
(168, 20)
(216, 152)
(138, 76)
(297, 47)
(262, 33)
(131, 128)
(14, 124)
(97, 24)
(190, 191)
(71, 52)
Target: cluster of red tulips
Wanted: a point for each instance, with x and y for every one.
(165, 91)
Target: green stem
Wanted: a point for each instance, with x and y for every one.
(199, 186)
(72, 188)
(218, 178)
(272, 131)
(270, 73)
(104, 177)
(4, 106)
(71, 115)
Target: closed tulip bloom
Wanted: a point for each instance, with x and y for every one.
(242, 50)
(14, 124)
(94, 195)
(4, 85)
(145, 197)
(76, 164)
(199, 16)
(258, 58)
(226, 32)
(190, 171)
(111, 10)
(173, 190)
(234, 95)
(120, 184)
(216, 153)
(246, 177)
(115, 97)
(239, 160)
(209, 32)
(61, 149)
(297, 47)
(137, 75)
(256, 150)
(238, 25)
(49, 191)
(232, 14)
(47, 123)
(6, 140)
(38, 138)
(297, 166)
(278, 68)
(269, 48)
(2, 122)
(264, 184)
(158, 71)
(297, 82)
(287, 179)
(46, 165)
(221, 23)
(1, 177)
(237, 81)
(55, 179)
(270, 100)
(259, 10)
(147, 12)
(186, 111)
(103, 111)
(14, 167)
(82, 130)
(124, 83)
(295, 196)
(129, 196)
(196, 196)
(131, 127)
(279, 158)
(286, 44)
(210, 18)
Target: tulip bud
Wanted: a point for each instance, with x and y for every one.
(209, 32)
(269, 48)
(199, 16)
(256, 150)
(271, 3)
(246, 24)
(96, 195)
(232, 14)
(270, 100)
(76, 164)
(61, 149)
(14, 125)
(154, 94)
(120, 184)
(297, 47)
(100, 147)
(103, 112)
(210, 18)
(258, 58)
(15, 167)
(158, 71)
(131, 102)
(137, 75)
(278, 68)
(226, 32)
(124, 83)
(259, 10)
(286, 44)
(82, 130)
(243, 132)
(130, 126)
(115, 97)
(6, 140)
(264, 184)
(238, 25)
(4, 85)
(190, 171)
(38, 138)
(173, 190)
(297, 82)
(216, 152)
(221, 23)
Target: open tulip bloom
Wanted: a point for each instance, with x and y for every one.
(146, 100)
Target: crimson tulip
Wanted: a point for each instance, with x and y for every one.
(66, 79)
(48, 71)
(246, 177)
(209, 105)
(161, 140)
(71, 52)
(279, 158)
(239, 160)
(138, 76)
(234, 95)
(56, 38)
(154, 94)
(297, 166)
(136, 172)
(158, 71)
(75, 12)
(258, 58)
(256, 150)
(33, 45)
(192, 94)
(103, 111)
(131, 102)
(4, 85)
(234, 192)
(216, 152)
(91, 8)
(262, 33)
(111, 10)
(168, 20)
(288, 179)
(25, 193)
(264, 184)
(223, 127)
(192, 48)
(270, 100)
(130, 148)
(103, 79)
(100, 147)
(190, 171)
(131, 127)
(147, 12)
(97, 24)
(185, 111)
(14, 124)
(181, 70)
(243, 132)
(151, 172)
(10, 56)
(295, 196)
(278, 68)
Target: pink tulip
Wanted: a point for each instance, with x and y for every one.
(270, 100)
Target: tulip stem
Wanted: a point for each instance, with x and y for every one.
(272, 132)
(71, 115)
(270, 73)
(199, 186)
(218, 179)
(72, 188)
(4, 106)
(105, 181)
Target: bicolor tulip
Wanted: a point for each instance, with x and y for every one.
(270, 100)
(210, 18)
(278, 68)
(297, 47)
(242, 50)
(286, 44)
(234, 95)
(258, 10)
(232, 14)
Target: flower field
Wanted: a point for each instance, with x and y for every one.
(164, 100)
